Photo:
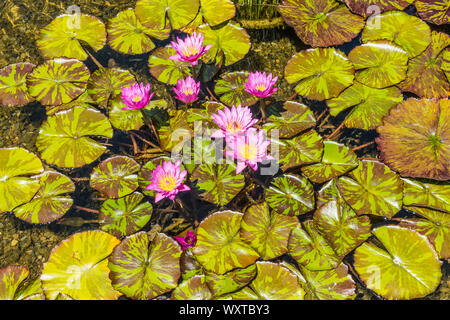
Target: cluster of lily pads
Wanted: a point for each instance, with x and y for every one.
(324, 221)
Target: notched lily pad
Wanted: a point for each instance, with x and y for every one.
(13, 85)
(230, 281)
(430, 195)
(166, 70)
(231, 89)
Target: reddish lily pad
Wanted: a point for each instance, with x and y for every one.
(11, 277)
(194, 288)
(367, 8)
(13, 85)
(435, 11)
(232, 90)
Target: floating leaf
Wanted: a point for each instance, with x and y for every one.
(16, 187)
(230, 281)
(407, 268)
(337, 160)
(13, 85)
(372, 188)
(431, 195)
(290, 195)
(116, 177)
(217, 11)
(78, 267)
(166, 70)
(64, 35)
(50, 202)
(379, 64)
(219, 247)
(10, 279)
(322, 73)
(435, 11)
(58, 81)
(189, 265)
(425, 77)
(321, 23)
(84, 100)
(178, 132)
(107, 83)
(142, 268)
(232, 90)
(194, 288)
(63, 138)
(266, 232)
(445, 65)
(409, 32)
(370, 105)
(367, 8)
(32, 291)
(127, 35)
(414, 139)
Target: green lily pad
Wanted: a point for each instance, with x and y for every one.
(176, 133)
(107, 83)
(125, 216)
(142, 268)
(231, 281)
(231, 89)
(220, 183)
(431, 195)
(372, 188)
(321, 73)
(13, 85)
(51, 201)
(219, 247)
(434, 11)
(366, 8)
(415, 138)
(445, 65)
(321, 23)
(63, 138)
(290, 195)
(58, 81)
(217, 11)
(425, 77)
(127, 35)
(189, 265)
(406, 268)
(63, 36)
(32, 291)
(84, 100)
(379, 64)
(370, 105)
(115, 177)
(10, 279)
(16, 186)
(337, 160)
(166, 70)
(79, 269)
(408, 32)
(266, 232)
(310, 249)
(294, 118)
(230, 39)
(194, 288)
(159, 14)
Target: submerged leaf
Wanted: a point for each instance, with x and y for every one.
(13, 85)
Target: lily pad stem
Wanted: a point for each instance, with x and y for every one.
(150, 125)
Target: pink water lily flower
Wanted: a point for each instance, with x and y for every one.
(188, 241)
(187, 90)
(249, 149)
(136, 96)
(260, 85)
(167, 180)
(233, 121)
(190, 49)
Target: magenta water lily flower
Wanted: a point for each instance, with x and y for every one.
(187, 90)
(167, 180)
(190, 49)
(233, 121)
(188, 241)
(260, 85)
(136, 96)
(249, 149)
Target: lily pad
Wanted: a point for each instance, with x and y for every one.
(127, 35)
(425, 77)
(415, 138)
(406, 268)
(445, 65)
(408, 32)
(219, 247)
(176, 133)
(430, 195)
(64, 35)
(435, 11)
(116, 177)
(167, 70)
(58, 81)
(10, 279)
(290, 195)
(372, 188)
(79, 269)
(230, 281)
(64, 140)
(13, 85)
(16, 186)
(231, 89)
(51, 201)
(217, 11)
(370, 105)
(84, 100)
(107, 83)
(321, 23)
(144, 269)
(337, 160)
(194, 288)
(366, 8)
(321, 73)
(379, 64)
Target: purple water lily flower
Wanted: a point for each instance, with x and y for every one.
(190, 49)
(260, 85)
(136, 96)
(187, 90)
(188, 241)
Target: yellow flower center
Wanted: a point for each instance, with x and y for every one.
(260, 87)
(188, 91)
(234, 127)
(167, 183)
(136, 98)
(249, 152)
(190, 51)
